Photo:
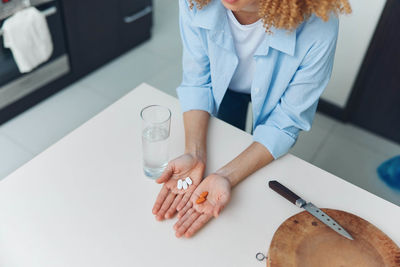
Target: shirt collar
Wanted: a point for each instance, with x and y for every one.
(209, 17)
(213, 17)
(280, 39)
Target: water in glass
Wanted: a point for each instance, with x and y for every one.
(155, 150)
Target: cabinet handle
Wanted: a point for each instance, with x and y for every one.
(138, 15)
(50, 11)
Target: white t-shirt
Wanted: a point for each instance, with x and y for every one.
(247, 38)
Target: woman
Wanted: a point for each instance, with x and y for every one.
(278, 54)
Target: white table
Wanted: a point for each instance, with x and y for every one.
(85, 201)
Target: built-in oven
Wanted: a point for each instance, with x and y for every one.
(15, 85)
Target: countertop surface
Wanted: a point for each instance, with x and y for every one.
(86, 202)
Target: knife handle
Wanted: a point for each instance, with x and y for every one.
(284, 191)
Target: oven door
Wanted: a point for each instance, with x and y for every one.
(15, 85)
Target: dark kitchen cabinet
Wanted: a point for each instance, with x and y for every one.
(374, 103)
(100, 30)
(134, 21)
(93, 32)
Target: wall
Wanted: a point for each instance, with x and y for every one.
(355, 33)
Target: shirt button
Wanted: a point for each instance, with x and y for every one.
(256, 90)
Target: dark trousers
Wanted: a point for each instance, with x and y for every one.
(233, 108)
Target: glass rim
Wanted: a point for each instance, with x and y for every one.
(167, 109)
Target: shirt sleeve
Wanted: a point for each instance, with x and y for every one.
(195, 92)
(296, 108)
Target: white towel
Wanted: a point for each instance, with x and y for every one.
(27, 35)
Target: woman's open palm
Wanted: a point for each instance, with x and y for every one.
(194, 216)
(170, 199)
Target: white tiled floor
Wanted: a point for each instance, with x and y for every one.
(47, 122)
(12, 155)
(341, 149)
(119, 77)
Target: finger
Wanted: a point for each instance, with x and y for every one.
(184, 201)
(160, 199)
(183, 219)
(185, 209)
(171, 211)
(197, 225)
(165, 206)
(166, 175)
(182, 229)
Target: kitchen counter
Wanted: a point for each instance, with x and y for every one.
(86, 202)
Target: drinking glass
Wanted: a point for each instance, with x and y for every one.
(156, 121)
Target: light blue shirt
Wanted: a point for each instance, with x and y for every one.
(292, 70)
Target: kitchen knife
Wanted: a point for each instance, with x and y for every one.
(315, 211)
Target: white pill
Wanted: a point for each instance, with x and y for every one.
(184, 185)
(179, 185)
(188, 180)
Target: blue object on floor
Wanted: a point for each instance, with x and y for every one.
(389, 172)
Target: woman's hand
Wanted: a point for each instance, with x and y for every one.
(170, 199)
(194, 216)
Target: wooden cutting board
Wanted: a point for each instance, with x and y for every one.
(304, 241)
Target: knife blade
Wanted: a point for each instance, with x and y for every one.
(311, 208)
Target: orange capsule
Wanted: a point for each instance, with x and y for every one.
(200, 200)
(204, 194)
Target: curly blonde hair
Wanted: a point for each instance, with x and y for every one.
(289, 14)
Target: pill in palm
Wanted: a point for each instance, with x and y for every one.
(180, 184)
(200, 200)
(184, 185)
(204, 194)
(202, 197)
(188, 180)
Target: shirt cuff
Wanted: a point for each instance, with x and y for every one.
(275, 140)
(195, 98)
